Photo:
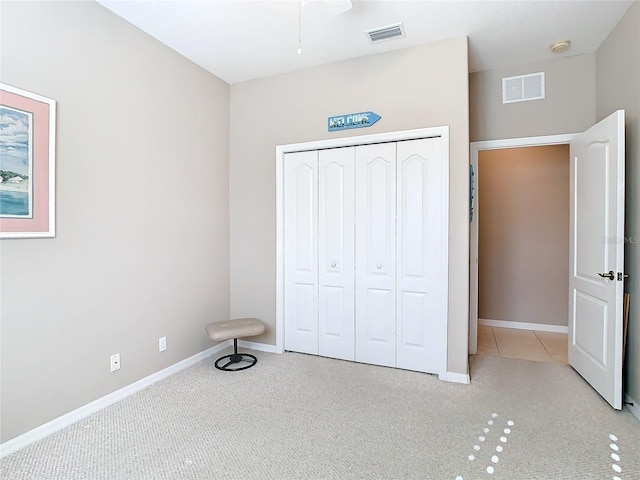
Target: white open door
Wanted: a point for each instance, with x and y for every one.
(596, 256)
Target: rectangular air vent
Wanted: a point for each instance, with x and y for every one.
(523, 88)
(388, 32)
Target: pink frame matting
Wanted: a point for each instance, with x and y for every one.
(43, 111)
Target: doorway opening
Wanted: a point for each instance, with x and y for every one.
(519, 255)
(596, 252)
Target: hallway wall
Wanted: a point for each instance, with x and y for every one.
(523, 216)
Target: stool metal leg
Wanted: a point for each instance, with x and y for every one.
(235, 358)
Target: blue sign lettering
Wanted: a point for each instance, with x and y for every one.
(352, 120)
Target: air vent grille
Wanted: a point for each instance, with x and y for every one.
(523, 88)
(388, 32)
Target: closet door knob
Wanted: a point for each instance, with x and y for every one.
(333, 264)
(379, 266)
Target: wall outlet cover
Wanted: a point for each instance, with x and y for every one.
(115, 362)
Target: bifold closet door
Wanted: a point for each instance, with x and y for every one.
(421, 316)
(375, 253)
(336, 208)
(301, 252)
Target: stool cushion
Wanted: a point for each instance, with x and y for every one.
(236, 328)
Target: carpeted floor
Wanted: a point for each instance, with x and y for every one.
(296, 416)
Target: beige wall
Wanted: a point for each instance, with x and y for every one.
(568, 107)
(142, 245)
(618, 87)
(418, 87)
(523, 214)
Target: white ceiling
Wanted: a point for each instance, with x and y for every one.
(239, 40)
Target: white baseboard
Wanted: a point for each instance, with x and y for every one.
(260, 347)
(67, 419)
(541, 327)
(455, 377)
(635, 408)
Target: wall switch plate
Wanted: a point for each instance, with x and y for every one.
(115, 362)
(162, 344)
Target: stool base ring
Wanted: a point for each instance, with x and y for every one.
(235, 361)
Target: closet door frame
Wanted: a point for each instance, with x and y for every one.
(281, 150)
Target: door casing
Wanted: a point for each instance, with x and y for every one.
(475, 148)
(281, 150)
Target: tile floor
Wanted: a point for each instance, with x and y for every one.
(522, 344)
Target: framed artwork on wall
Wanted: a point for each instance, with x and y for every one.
(27, 164)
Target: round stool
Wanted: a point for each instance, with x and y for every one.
(236, 328)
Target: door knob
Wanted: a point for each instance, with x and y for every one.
(610, 275)
(333, 264)
(379, 266)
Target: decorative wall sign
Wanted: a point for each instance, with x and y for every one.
(27, 164)
(471, 192)
(352, 120)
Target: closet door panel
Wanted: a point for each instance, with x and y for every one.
(336, 168)
(375, 253)
(379, 309)
(421, 256)
(301, 252)
(412, 309)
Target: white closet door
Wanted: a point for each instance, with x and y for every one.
(421, 256)
(336, 170)
(301, 252)
(375, 253)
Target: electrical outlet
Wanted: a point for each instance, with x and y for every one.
(162, 344)
(115, 362)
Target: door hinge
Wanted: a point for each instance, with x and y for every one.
(621, 276)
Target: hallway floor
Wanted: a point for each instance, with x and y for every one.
(522, 344)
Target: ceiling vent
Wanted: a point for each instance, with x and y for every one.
(388, 32)
(523, 88)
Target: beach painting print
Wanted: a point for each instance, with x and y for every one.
(16, 163)
(27, 164)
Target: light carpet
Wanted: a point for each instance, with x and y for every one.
(296, 416)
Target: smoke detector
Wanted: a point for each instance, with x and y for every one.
(561, 46)
(388, 32)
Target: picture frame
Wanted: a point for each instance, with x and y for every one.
(27, 164)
